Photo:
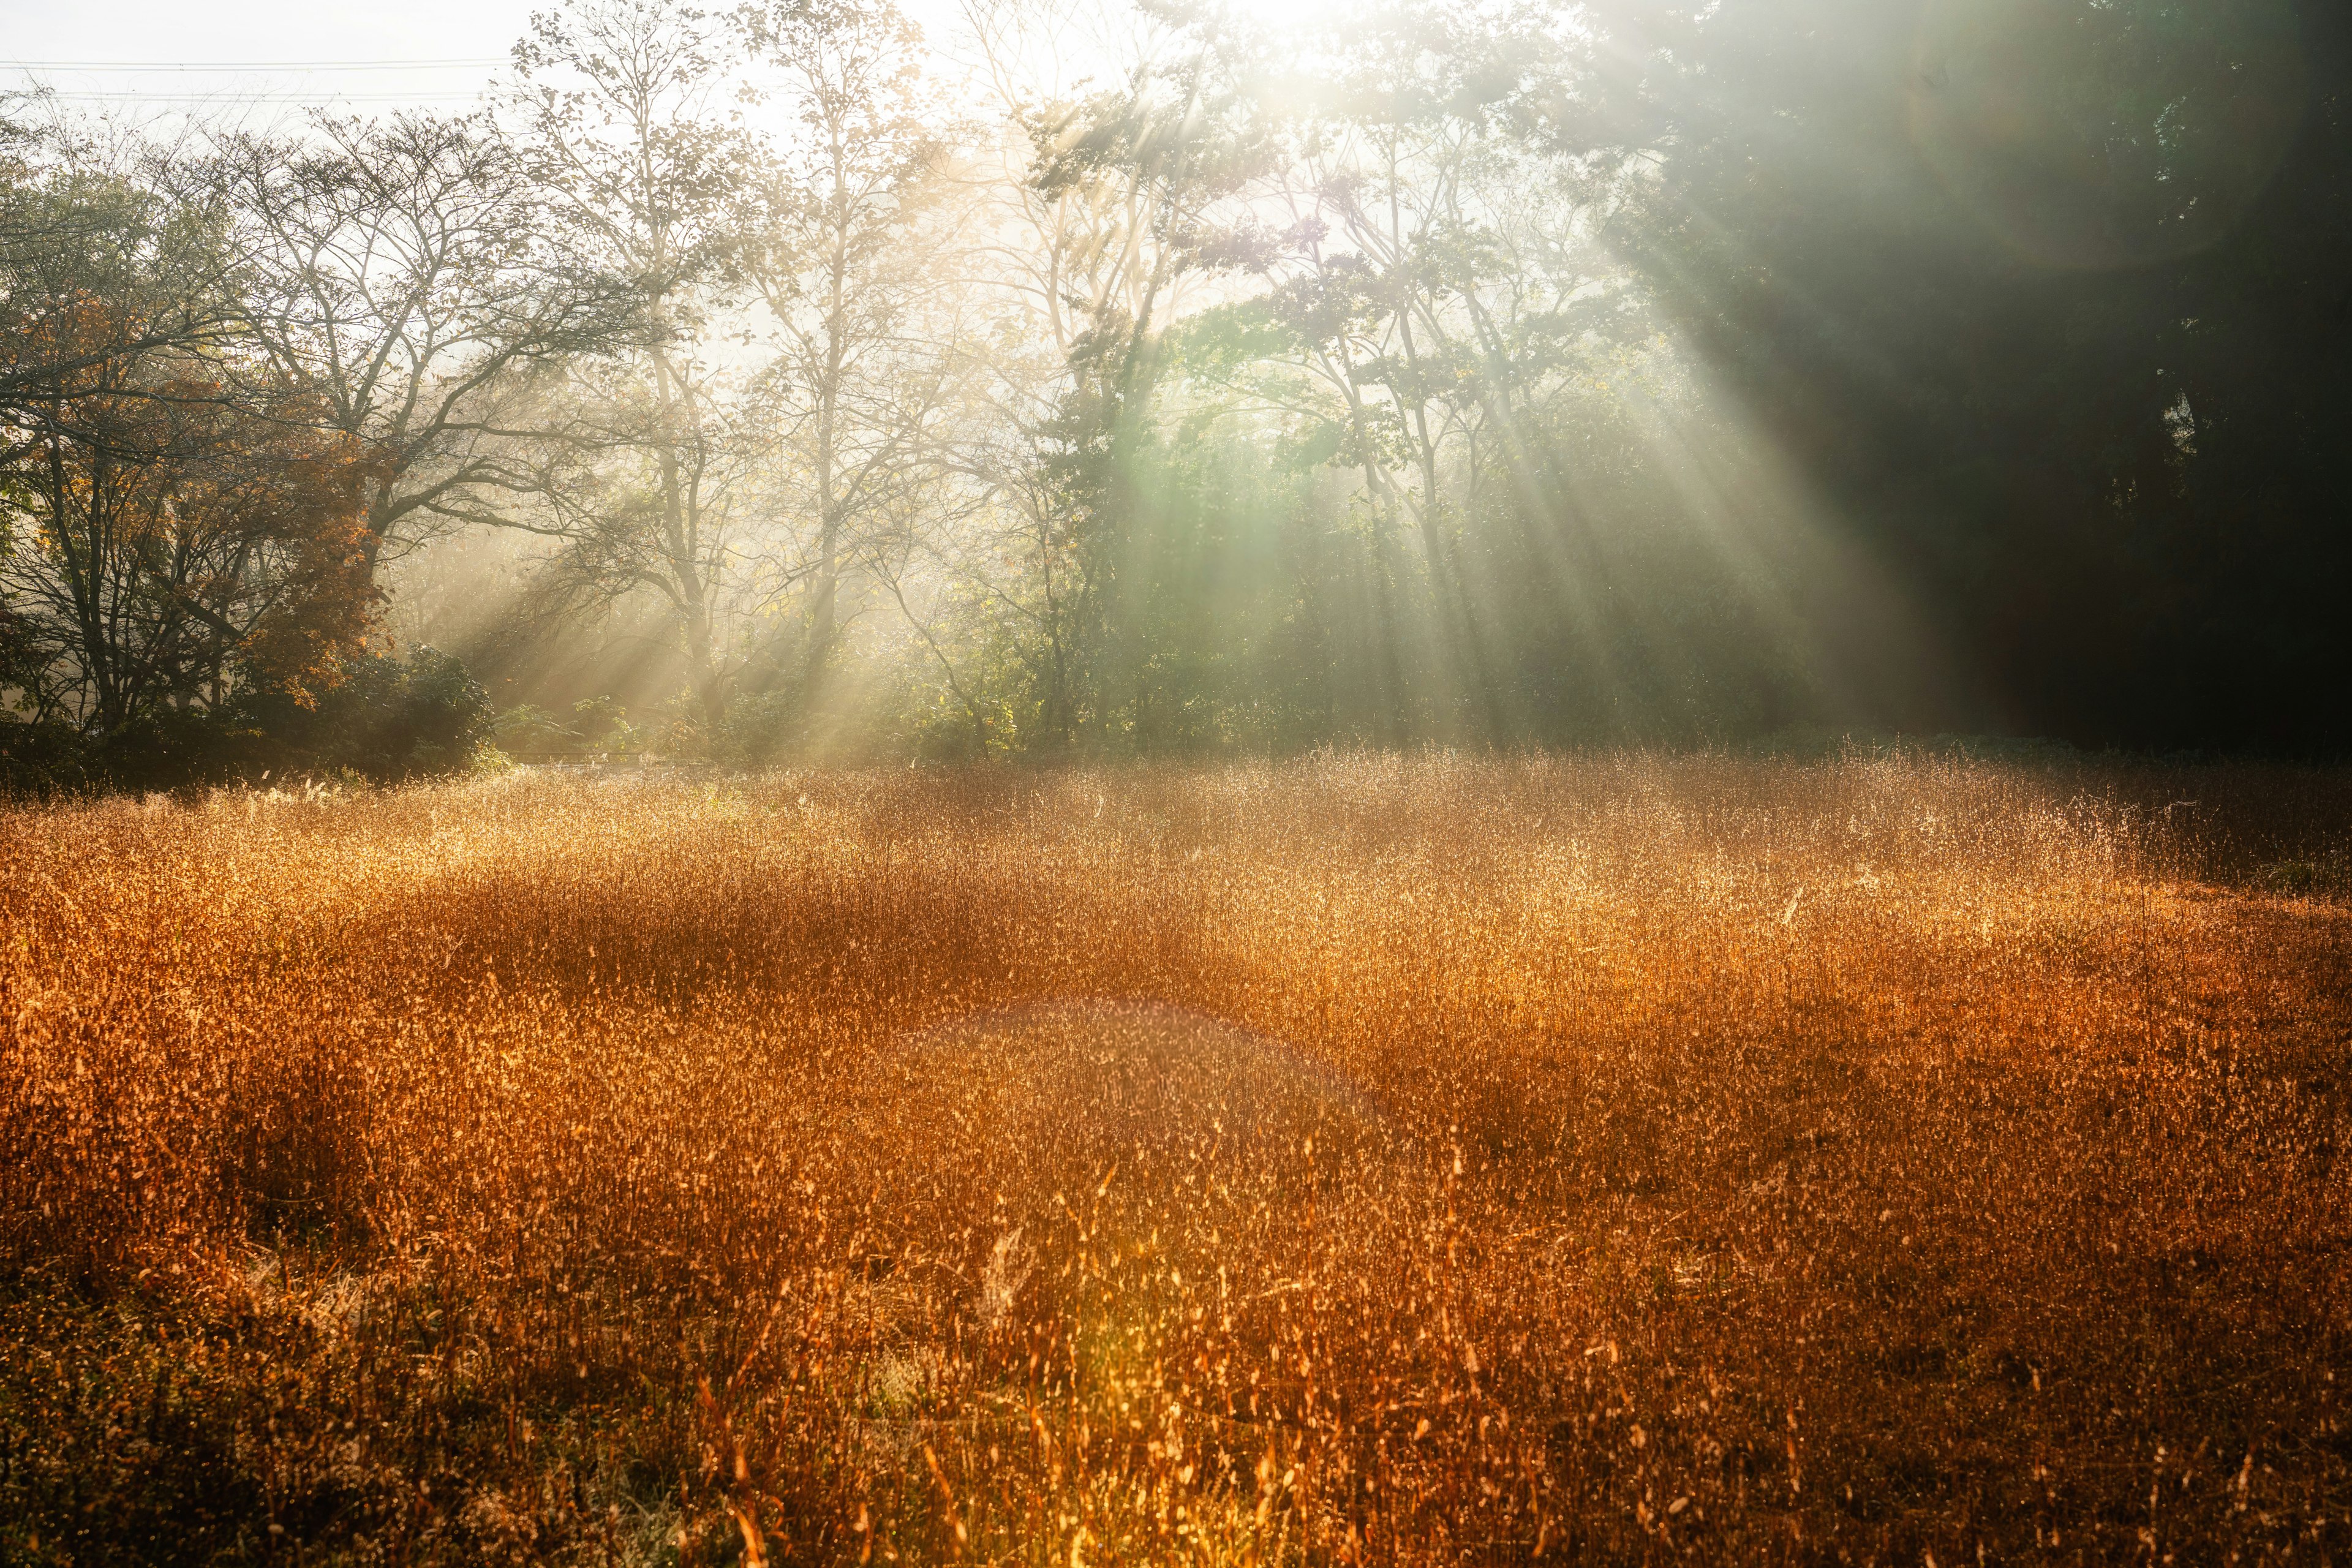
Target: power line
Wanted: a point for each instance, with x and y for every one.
(252, 65)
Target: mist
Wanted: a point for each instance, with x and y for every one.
(799, 382)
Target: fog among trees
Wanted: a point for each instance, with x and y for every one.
(776, 382)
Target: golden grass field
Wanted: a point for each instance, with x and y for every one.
(1353, 1160)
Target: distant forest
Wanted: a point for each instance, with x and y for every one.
(780, 384)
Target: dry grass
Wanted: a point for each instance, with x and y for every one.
(1359, 1160)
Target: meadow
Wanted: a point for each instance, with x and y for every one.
(1358, 1159)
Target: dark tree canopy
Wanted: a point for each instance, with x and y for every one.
(1506, 373)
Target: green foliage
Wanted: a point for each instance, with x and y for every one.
(1475, 376)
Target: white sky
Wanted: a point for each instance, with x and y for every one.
(255, 34)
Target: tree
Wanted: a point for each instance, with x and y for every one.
(404, 272)
(173, 528)
(859, 278)
(1164, 158)
(644, 166)
(172, 547)
(82, 216)
(1410, 289)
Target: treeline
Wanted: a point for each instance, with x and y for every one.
(769, 384)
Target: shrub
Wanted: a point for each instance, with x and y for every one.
(42, 757)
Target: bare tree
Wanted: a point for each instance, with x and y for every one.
(1408, 281)
(406, 272)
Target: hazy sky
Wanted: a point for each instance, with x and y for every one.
(326, 35)
(253, 33)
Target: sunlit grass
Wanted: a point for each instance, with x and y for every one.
(1358, 1159)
